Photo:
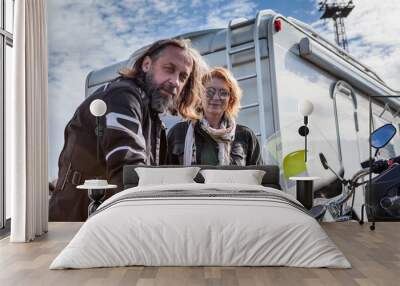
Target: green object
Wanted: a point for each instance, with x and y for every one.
(293, 164)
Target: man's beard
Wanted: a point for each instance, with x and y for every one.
(159, 102)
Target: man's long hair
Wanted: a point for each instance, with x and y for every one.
(187, 102)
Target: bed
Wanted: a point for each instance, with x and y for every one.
(201, 223)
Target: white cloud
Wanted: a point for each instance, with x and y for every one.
(220, 17)
(195, 3)
(373, 31)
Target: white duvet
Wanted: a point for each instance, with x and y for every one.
(184, 230)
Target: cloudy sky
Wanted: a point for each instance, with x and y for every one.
(91, 34)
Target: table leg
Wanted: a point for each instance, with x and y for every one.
(304, 192)
(96, 198)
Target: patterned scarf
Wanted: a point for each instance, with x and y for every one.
(224, 136)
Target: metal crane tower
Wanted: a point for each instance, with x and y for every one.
(337, 11)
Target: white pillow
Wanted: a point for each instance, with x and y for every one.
(162, 176)
(249, 177)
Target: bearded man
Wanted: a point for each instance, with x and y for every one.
(167, 76)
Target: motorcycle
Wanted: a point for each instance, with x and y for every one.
(382, 196)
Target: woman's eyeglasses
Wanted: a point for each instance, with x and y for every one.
(222, 92)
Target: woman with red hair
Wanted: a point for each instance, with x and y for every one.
(216, 139)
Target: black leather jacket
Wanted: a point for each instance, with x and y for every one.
(245, 147)
(132, 134)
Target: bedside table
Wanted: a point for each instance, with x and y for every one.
(96, 195)
(304, 190)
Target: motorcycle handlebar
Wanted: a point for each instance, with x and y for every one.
(379, 166)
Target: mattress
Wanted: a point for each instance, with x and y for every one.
(201, 225)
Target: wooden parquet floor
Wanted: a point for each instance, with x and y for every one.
(374, 255)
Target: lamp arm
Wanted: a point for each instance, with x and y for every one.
(98, 137)
(305, 138)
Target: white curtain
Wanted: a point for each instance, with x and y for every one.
(26, 117)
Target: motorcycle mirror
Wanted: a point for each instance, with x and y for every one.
(382, 136)
(323, 161)
(326, 167)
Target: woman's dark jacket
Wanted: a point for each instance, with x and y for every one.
(245, 147)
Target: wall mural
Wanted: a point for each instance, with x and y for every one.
(120, 95)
